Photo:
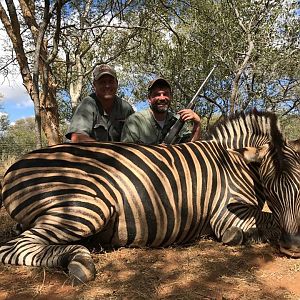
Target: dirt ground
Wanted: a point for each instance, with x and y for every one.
(204, 270)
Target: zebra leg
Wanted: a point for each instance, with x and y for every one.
(236, 236)
(247, 226)
(233, 236)
(79, 263)
(18, 229)
(262, 235)
(32, 248)
(49, 242)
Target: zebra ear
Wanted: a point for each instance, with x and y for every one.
(295, 144)
(250, 154)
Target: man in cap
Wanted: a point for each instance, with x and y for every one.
(101, 115)
(152, 125)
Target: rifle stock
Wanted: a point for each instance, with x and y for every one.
(171, 137)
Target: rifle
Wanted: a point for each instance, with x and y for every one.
(171, 137)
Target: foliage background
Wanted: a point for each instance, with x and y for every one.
(255, 45)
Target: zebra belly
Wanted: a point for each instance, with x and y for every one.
(138, 231)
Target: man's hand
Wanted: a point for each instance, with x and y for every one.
(188, 114)
(81, 138)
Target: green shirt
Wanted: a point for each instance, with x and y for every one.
(90, 119)
(142, 128)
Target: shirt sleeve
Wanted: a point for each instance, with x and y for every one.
(83, 119)
(130, 132)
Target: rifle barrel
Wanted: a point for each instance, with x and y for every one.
(201, 87)
(170, 138)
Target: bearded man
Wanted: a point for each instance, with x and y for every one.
(150, 126)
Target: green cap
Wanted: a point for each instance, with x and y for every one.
(101, 70)
(160, 82)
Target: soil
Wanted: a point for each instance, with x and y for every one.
(204, 270)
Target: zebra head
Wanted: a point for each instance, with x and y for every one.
(279, 172)
(280, 175)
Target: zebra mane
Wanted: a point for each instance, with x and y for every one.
(248, 129)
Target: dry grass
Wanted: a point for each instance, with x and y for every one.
(204, 270)
(6, 161)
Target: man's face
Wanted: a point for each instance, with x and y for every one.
(106, 87)
(160, 99)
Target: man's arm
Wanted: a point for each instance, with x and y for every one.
(196, 132)
(81, 125)
(130, 131)
(188, 114)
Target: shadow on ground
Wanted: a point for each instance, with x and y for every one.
(204, 270)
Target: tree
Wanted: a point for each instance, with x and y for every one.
(290, 126)
(35, 63)
(95, 34)
(18, 138)
(4, 122)
(254, 44)
(88, 33)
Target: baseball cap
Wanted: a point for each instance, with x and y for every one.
(158, 81)
(101, 70)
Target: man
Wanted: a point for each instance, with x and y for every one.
(101, 115)
(152, 125)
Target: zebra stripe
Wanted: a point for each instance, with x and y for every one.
(135, 195)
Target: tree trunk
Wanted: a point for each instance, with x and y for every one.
(236, 81)
(50, 119)
(46, 110)
(76, 83)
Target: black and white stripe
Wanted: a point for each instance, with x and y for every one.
(134, 195)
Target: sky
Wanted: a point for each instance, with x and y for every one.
(17, 103)
(15, 100)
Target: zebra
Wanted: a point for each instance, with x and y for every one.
(155, 196)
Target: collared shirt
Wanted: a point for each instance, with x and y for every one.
(142, 128)
(90, 119)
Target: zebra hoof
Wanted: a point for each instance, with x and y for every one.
(233, 236)
(18, 229)
(81, 269)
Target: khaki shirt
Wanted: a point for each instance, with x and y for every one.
(142, 128)
(90, 119)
